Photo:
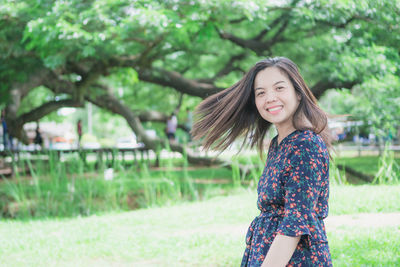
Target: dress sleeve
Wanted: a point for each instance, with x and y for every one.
(305, 168)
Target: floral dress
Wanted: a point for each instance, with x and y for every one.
(293, 199)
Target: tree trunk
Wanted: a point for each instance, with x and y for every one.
(112, 104)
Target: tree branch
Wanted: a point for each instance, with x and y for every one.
(34, 80)
(58, 85)
(17, 124)
(273, 24)
(88, 78)
(178, 82)
(156, 116)
(274, 39)
(345, 23)
(228, 68)
(111, 103)
(320, 87)
(45, 109)
(257, 46)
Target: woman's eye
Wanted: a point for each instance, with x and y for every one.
(279, 88)
(260, 93)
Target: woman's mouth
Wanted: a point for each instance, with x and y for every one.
(275, 109)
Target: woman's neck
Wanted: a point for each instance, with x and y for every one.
(284, 131)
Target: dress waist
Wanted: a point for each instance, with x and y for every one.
(272, 211)
(266, 213)
(279, 211)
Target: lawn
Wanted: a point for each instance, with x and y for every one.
(204, 233)
(365, 164)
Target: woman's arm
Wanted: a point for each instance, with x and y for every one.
(281, 251)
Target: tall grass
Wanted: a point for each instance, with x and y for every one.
(189, 188)
(388, 169)
(247, 169)
(66, 186)
(236, 175)
(336, 176)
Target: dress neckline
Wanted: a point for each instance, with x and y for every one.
(285, 138)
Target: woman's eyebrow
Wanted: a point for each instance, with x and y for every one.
(279, 82)
(259, 88)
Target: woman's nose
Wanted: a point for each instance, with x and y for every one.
(270, 96)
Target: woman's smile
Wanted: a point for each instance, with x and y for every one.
(276, 99)
(275, 109)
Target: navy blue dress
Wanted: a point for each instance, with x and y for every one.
(293, 196)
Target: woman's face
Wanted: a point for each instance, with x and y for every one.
(275, 98)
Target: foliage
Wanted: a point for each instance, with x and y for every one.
(379, 95)
(76, 48)
(338, 101)
(375, 100)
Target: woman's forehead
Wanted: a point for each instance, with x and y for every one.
(270, 76)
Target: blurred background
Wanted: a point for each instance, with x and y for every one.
(97, 101)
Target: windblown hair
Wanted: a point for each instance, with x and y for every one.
(223, 117)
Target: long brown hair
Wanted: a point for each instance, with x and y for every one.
(231, 113)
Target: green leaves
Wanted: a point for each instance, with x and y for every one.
(338, 41)
(378, 103)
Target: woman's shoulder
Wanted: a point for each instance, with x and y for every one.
(308, 138)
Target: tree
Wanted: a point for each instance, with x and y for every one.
(80, 50)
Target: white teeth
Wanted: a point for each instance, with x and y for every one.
(274, 109)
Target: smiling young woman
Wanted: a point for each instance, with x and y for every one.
(276, 99)
(293, 189)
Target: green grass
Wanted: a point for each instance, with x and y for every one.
(365, 164)
(364, 198)
(362, 246)
(205, 233)
(159, 235)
